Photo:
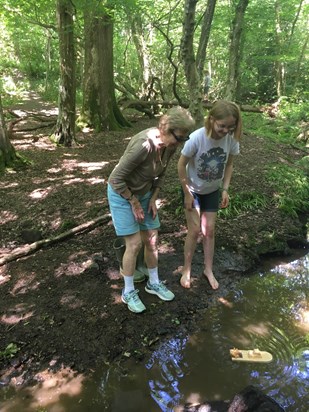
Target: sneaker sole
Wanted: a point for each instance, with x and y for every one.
(152, 292)
(134, 311)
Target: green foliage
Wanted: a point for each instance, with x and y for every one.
(285, 127)
(291, 188)
(67, 225)
(10, 351)
(243, 202)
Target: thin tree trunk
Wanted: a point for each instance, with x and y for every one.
(279, 66)
(7, 151)
(189, 63)
(235, 50)
(65, 128)
(205, 33)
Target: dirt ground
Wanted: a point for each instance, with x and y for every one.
(61, 305)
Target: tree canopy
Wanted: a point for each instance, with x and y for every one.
(154, 52)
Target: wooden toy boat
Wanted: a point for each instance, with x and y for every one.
(254, 355)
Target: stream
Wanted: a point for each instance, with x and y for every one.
(268, 310)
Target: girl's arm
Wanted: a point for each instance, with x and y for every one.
(226, 181)
(182, 173)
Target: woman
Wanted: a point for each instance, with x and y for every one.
(206, 164)
(133, 188)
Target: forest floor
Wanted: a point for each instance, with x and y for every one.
(60, 306)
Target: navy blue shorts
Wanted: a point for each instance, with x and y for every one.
(206, 203)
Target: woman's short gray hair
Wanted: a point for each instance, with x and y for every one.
(177, 118)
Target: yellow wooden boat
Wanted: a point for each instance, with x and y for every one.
(254, 355)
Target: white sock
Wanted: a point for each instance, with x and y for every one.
(153, 276)
(128, 283)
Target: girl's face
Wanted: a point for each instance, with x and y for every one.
(222, 127)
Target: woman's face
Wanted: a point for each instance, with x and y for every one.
(174, 137)
(221, 127)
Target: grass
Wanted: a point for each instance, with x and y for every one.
(243, 202)
(291, 189)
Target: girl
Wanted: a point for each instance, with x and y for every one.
(206, 165)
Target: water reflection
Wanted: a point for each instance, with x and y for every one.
(165, 364)
(268, 311)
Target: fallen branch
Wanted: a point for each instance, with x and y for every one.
(40, 126)
(33, 247)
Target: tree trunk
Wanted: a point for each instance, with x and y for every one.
(142, 51)
(235, 51)
(100, 108)
(7, 151)
(188, 59)
(205, 33)
(279, 66)
(65, 128)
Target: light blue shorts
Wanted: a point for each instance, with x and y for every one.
(122, 215)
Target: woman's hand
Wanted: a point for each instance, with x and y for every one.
(152, 208)
(137, 210)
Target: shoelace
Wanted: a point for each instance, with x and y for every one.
(135, 295)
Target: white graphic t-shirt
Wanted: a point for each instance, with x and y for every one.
(208, 157)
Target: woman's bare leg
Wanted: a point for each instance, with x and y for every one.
(150, 240)
(208, 221)
(193, 227)
(133, 245)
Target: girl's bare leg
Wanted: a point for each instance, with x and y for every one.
(208, 220)
(193, 225)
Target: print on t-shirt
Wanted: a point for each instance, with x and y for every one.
(211, 164)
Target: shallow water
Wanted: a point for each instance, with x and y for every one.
(268, 310)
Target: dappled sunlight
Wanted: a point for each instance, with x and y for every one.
(73, 268)
(116, 297)
(166, 248)
(17, 314)
(49, 393)
(9, 185)
(56, 222)
(30, 141)
(303, 322)
(69, 269)
(92, 181)
(86, 167)
(4, 278)
(113, 274)
(7, 216)
(71, 301)
(26, 282)
(40, 193)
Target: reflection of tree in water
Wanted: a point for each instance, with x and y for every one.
(166, 364)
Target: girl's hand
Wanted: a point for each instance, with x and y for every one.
(188, 201)
(225, 199)
(137, 210)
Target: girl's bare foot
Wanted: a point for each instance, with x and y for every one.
(185, 281)
(212, 280)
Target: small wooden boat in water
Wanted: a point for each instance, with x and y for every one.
(254, 355)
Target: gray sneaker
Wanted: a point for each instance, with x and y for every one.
(160, 290)
(133, 301)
